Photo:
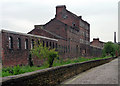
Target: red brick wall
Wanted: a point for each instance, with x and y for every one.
(57, 27)
(97, 43)
(15, 56)
(40, 32)
(61, 12)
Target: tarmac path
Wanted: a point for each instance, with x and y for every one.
(104, 74)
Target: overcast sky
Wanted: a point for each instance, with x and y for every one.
(22, 15)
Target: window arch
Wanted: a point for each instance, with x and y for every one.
(10, 42)
(18, 43)
(26, 43)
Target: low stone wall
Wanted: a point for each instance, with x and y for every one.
(51, 76)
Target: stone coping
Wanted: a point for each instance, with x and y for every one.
(53, 75)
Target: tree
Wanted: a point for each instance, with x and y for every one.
(44, 53)
(110, 49)
(117, 49)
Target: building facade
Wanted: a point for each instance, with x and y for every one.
(71, 30)
(67, 32)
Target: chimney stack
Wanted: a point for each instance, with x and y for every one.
(119, 22)
(59, 9)
(114, 37)
(95, 39)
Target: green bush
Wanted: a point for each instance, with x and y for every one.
(6, 73)
(20, 69)
(58, 62)
(17, 70)
(52, 55)
(44, 53)
(110, 49)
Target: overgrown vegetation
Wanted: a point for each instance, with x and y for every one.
(111, 49)
(43, 52)
(23, 69)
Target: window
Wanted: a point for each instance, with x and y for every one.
(76, 48)
(43, 43)
(56, 45)
(53, 44)
(80, 50)
(50, 44)
(46, 44)
(73, 24)
(85, 50)
(66, 49)
(38, 42)
(26, 43)
(19, 43)
(65, 17)
(10, 42)
(69, 48)
(32, 44)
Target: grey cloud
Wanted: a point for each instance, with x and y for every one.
(30, 12)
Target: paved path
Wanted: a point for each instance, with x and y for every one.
(104, 74)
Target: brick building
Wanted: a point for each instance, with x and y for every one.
(71, 30)
(67, 32)
(97, 43)
(16, 47)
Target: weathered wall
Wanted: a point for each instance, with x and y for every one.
(95, 52)
(70, 46)
(66, 16)
(40, 32)
(51, 76)
(66, 49)
(15, 55)
(72, 33)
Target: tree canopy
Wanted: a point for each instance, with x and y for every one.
(111, 49)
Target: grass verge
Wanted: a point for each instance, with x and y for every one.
(23, 69)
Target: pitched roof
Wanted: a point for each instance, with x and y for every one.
(57, 36)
